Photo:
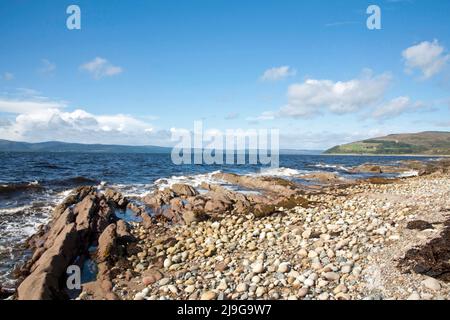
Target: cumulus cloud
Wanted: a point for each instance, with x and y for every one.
(77, 126)
(32, 117)
(398, 106)
(428, 57)
(7, 76)
(278, 73)
(313, 96)
(100, 68)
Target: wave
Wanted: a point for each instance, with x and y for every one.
(73, 181)
(194, 180)
(407, 174)
(331, 166)
(15, 210)
(6, 189)
(279, 172)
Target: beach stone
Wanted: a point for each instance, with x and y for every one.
(260, 291)
(208, 295)
(139, 296)
(189, 289)
(283, 267)
(258, 267)
(242, 287)
(414, 296)
(309, 282)
(431, 284)
(302, 292)
(164, 281)
(256, 279)
(323, 296)
(346, 269)
(331, 276)
(167, 263)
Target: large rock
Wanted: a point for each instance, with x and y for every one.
(107, 243)
(43, 282)
(323, 177)
(86, 218)
(184, 190)
(217, 206)
(116, 197)
(192, 216)
(159, 198)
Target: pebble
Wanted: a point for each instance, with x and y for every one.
(260, 291)
(167, 263)
(432, 284)
(242, 287)
(258, 267)
(309, 282)
(208, 295)
(283, 267)
(302, 292)
(414, 296)
(164, 281)
(189, 289)
(331, 276)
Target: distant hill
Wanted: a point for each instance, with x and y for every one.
(423, 143)
(55, 146)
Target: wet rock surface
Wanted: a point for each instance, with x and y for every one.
(84, 219)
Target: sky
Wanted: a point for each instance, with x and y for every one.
(137, 71)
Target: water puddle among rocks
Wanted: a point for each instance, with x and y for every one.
(127, 215)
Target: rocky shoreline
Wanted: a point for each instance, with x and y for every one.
(331, 239)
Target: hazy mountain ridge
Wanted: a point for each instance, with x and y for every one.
(422, 143)
(56, 146)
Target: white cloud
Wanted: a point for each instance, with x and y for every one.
(398, 106)
(429, 57)
(28, 106)
(100, 68)
(278, 73)
(313, 96)
(35, 118)
(47, 67)
(7, 76)
(77, 126)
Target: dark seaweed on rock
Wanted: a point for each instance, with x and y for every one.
(431, 259)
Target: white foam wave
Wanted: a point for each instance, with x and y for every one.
(194, 180)
(331, 166)
(279, 172)
(9, 211)
(134, 190)
(408, 174)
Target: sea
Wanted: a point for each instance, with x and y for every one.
(32, 184)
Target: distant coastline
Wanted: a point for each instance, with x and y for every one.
(68, 147)
(386, 155)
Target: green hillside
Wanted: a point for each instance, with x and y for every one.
(423, 143)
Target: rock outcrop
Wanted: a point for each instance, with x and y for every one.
(84, 219)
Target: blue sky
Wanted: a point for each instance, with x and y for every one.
(138, 69)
